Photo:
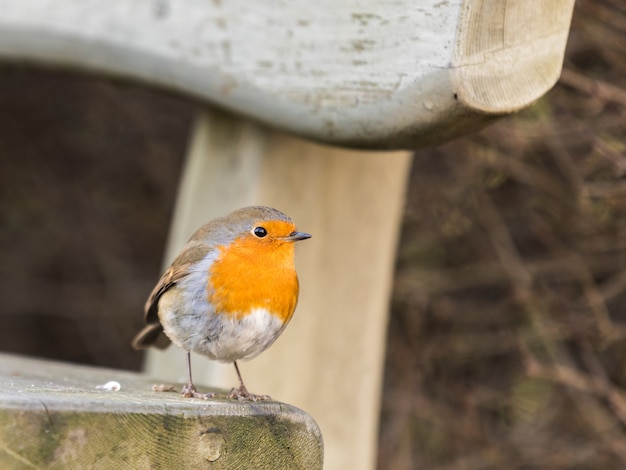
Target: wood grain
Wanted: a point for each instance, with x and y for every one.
(53, 416)
(363, 73)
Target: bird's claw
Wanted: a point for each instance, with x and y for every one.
(189, 391)
(242, 394)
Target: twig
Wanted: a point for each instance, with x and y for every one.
(557, 269)
(597, 88)
(502, 242)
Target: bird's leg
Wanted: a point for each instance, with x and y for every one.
(242, 386)
(242, 393)
(189, 390)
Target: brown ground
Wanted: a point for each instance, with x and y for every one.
(507, 339)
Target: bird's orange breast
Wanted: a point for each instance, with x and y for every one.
(251, 273)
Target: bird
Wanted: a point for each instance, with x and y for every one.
(229, 293)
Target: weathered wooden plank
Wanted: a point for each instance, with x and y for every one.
(54, 416)
(364, 73)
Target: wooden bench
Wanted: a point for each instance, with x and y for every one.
(365, 74)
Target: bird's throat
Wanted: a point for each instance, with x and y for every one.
(247, 276)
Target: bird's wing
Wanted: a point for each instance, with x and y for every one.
(152, 333)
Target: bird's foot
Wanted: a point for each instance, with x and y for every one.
(242, 394)
(189, 391)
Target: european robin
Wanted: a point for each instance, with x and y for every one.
(229, 293)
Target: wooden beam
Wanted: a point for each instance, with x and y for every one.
(362, 73)
(55, 415)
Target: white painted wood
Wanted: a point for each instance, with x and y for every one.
(329, 359)
(365, 73)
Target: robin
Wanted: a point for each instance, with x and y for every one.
(229, 293)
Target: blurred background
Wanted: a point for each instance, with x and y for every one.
(507, 335)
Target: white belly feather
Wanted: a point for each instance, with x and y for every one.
(190, 322)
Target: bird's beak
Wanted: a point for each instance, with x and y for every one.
(295, 236)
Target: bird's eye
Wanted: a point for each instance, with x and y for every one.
(259, 232)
